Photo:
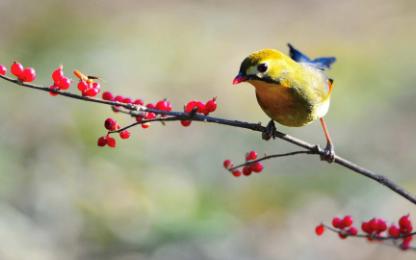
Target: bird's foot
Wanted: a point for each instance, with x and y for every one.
(329, 153)
(270, 131)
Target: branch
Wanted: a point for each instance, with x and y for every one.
(166, 116)
(267, 157)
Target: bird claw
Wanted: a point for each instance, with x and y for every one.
(270, 131)
(329, 154)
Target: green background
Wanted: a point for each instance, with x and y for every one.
(163, 194)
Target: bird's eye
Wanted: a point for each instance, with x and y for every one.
(262, 67)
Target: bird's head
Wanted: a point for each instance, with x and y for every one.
(266, 65)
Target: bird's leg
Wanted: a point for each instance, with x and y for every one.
(329, 155)
(270, 131)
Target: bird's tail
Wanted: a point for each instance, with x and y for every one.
(322, 63)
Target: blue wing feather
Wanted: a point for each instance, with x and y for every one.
(296, 55)
(321, 63)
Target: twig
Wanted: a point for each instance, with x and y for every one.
(267, 157)
(176, 116)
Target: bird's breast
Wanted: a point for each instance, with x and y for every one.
(284, 104)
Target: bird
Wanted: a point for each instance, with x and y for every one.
(292, 90)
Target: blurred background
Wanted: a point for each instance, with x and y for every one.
(163, 194)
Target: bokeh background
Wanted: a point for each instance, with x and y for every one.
(163, 194)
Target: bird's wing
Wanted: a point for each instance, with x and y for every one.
(321, 63)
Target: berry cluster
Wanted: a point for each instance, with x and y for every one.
(375, 229)
(111, 125)
(196, 106)
(90, 88)
(145, 117)
(162, 105)
(60, 82)
(87, 85)
(345, 226)
(23, 74)
(106, 140)
(107, 95)
(248, 167)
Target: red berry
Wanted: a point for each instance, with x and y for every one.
(347, 221)
(58, 74)
(198, 105)
(201, 106)
(119, 98)
(82, 85)
(352, 231)
(124, 134)
(145, 125)
(162, 105)
(366, 227)
(150, 115)
(257, 167)
(373, 224)
(210, 106)
(102, 141)
(91, 92)
(227, 164)
(3, 70)
(247, 170)
(186, 123)
(64, 84)
(381, 226)
(107, 95)
(111, 141)
(16, 69)
(138, 102)
(252, 155)
(404, 220)
(406, 243)
(337, 222)
(28, 75)
(394, 231)
(110, 124)
(405, 224)
(127, 100)
(236, 173)
(319, 230)
(53, 93)
(189, 106)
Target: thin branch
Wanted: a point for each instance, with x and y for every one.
(176, 116)
(267, 157)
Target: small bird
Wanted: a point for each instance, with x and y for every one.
(293, 91)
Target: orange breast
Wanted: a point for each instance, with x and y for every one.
(283, 104)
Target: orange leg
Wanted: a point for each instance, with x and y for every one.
(329, 149)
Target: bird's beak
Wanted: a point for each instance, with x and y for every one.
(239, 78)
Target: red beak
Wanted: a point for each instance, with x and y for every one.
(238, 79)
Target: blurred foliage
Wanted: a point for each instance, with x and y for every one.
(163, 194)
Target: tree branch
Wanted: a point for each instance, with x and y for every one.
(268, 157)
(135, 110)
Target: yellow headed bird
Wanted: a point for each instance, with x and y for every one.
(293, 91)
